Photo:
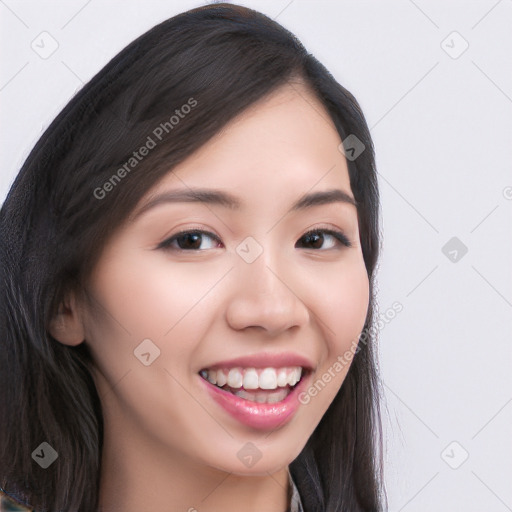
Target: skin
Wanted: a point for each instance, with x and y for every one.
(166, 441)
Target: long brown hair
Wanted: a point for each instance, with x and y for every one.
(57, 218)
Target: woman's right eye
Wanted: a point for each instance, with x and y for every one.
(188, 241)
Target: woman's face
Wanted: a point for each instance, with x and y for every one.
(247, 282)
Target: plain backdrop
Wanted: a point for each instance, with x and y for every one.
(435, 84)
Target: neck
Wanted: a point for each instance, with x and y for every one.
(137, 474)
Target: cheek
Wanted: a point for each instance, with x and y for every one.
(349, 307)
(341, 300)
(140, 298)
(150, 295)
(151, 298)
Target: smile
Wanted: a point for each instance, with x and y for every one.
(263, 398)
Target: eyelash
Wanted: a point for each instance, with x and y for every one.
(166, 244)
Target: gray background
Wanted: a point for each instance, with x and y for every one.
(441, 118)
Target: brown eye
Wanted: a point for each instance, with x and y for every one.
(317, 237)
(188, 241)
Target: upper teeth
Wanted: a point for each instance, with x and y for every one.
(252, 378)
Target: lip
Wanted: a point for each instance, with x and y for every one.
(264, 360)
(256, 415)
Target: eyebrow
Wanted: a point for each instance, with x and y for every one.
(227, 200)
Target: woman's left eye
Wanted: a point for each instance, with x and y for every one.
(316, 237)
(192, 240)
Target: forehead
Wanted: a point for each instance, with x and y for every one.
(287, 139)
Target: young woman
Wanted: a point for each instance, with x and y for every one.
(187, 301)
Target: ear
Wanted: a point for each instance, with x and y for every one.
(66, 326)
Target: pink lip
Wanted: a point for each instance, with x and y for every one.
(264, 360)
(254, 414)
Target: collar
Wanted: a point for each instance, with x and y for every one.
(294, 496)
(8, 502)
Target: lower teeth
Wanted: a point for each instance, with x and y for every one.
(262, 397)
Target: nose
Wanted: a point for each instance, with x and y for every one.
(265, 299)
